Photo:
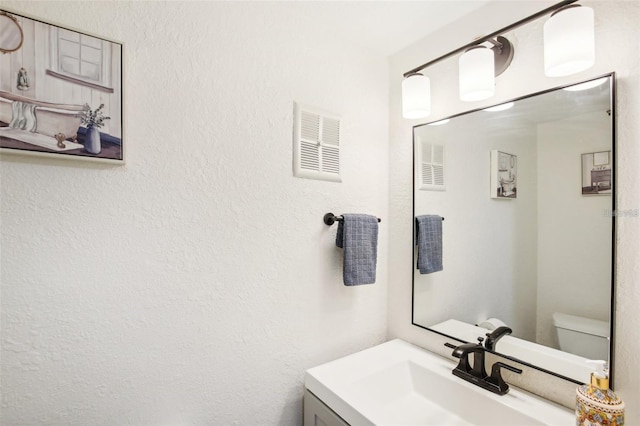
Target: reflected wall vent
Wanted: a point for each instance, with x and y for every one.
(431, 167)
(316, 144)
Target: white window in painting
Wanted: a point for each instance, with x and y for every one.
(80, 58)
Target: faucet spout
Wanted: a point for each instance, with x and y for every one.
(463, 351)
(477, 374)
(494, 336)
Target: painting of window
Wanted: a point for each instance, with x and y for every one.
(597, 178)
(64, 97)
(504, 175)
(80, 57)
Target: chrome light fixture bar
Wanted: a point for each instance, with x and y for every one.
(476, 83)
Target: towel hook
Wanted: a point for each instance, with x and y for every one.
(330, 219)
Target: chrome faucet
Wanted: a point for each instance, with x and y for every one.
(476, 373)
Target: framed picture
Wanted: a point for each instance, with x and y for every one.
(60, 92)
(504, 175)
(597, 178)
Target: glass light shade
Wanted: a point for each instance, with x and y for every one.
(569, 41)
(416, 96)
(477, 74)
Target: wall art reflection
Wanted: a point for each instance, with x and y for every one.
(504, 175)
(596, 173)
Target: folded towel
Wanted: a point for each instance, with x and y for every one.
(429, 241)
(358, 236)
(23, 116)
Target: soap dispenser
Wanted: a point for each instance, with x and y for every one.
(596, 404)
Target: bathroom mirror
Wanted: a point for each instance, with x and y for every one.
(527, 193)
(10, 33)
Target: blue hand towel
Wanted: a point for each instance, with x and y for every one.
(429, 241)
(358, 236)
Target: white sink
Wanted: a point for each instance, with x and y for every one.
(396, 383)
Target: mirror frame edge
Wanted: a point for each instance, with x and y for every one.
(614, 219)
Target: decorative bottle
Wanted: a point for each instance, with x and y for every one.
(596, 404)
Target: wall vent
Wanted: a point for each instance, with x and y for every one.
(316, 144)
(431, 167)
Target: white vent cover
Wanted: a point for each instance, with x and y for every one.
(431, 167)
(316, 144)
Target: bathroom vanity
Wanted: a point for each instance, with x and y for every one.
(317, 413)
(399, 383)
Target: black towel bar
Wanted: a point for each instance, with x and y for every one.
(330, 219)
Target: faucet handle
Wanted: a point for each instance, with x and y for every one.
(496, 378)
(507, 367)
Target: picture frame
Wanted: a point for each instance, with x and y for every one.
(60, 92)
(596, 173)
(503, 175)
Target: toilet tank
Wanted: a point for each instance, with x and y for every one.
(582, 336)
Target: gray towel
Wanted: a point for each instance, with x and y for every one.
(358, 236)
(23, 116)
(429, 241)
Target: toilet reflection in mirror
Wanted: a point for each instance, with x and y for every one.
(542, 262)
(582, 336)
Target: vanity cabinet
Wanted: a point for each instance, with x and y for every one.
(316, 413)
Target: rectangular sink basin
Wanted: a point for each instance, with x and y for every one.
(397, 383)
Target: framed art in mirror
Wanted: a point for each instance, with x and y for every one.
(504, 175)
(596, 173)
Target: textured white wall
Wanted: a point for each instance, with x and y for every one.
(195, 284)
(572, 258)
(617, 49)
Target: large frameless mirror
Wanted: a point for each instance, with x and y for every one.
(526, 190)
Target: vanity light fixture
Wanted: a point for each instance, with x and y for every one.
(500, 107)
(416, 96)
(568, 22)
(569, 41)
(477, 74)
(480, 65)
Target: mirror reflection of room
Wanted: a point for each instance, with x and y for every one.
(523, 241)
